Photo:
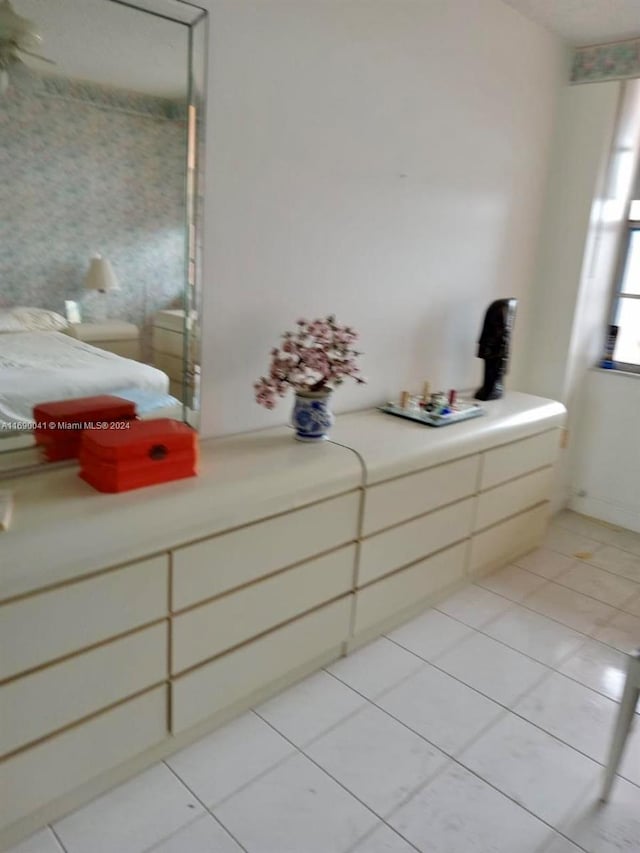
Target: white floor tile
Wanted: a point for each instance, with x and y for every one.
(583, 525)
(620, 562)
(376, 667)
(535, 635)
(626, 540)
(512, 582)
(633, 606)
(295, 807)
(205, 835)
(376, 758)
(613, 827)
(569, 607)
(500, 673)
(430, 634)
(440, 708)
(559, 844)
(383, 840)
(311, 707)
(577, 715)
(622, 632)
(41, 842)
(544, 562)
(474, 606)
(599, 667)
(598, 583)
(219, 764)
(132, 817)
(459, 813)
(515, 757)
(571, 544)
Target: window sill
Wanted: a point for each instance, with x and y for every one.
(618, 371)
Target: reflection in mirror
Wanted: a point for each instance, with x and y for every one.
(100, 194)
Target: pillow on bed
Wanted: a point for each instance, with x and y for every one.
(38, 319)
(9, 323)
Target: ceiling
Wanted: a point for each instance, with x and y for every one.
(104, 42)
(584, 22)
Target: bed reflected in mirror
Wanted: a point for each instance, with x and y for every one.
(99, 258)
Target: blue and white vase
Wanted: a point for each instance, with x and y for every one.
(312, 418)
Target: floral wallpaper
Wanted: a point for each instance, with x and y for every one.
(86, 169)
(614, 61)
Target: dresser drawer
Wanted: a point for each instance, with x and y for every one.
(50, 699)
(240, 674)
(513, 497)
(415, 494)
(57, 766)
(44, 627)
(386, 551)
(508, 539)
(177, 389)
(233, 559)
(391, 595)
(172, 365)
(520, 457)
(168, 341)
(208, 630)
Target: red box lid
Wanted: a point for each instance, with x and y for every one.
(102, 408)
(138, 440)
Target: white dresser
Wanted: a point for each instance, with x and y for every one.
(132, 624)
(442, 505)
(168, 347)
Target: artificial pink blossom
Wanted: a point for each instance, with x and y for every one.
(316, 358)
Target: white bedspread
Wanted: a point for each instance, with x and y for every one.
(38, 367)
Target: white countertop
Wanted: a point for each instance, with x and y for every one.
(390, 446)
(62, 528)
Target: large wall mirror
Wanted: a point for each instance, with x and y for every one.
(101, 141)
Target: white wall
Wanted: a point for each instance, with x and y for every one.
(596, 144)
(577, 177)
(606, 470)
(381, 160)
(571, 222)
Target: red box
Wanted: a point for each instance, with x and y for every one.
(59, 424)
(141, 453)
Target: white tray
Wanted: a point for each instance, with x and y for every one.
(465, 409)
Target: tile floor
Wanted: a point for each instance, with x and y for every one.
(479, 727)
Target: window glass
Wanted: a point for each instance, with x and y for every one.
(628, 341)
(631, 276)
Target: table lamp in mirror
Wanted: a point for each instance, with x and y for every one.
(101, 277)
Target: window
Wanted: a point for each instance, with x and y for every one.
(626, 308)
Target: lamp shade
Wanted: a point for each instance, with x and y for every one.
(100, 276)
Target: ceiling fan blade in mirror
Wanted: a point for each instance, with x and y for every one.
(180, 11)
(37, 56)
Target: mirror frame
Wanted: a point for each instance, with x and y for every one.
(196, 19)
